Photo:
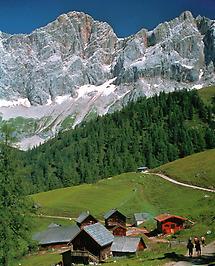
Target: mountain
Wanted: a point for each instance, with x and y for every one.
(76, 68)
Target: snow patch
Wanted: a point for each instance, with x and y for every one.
(19, 102)
(106, 88)
(201, 72)
(198, 86)
(187, 66)
(61, 99)
(49, 101)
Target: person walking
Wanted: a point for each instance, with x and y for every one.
(195, 239)
(190, 247)
(203, 241)
(198, 248)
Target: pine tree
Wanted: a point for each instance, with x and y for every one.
(14, 207)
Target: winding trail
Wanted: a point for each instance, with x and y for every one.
(180, 183)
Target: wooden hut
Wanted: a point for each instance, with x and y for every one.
(93, 242)
(126, 246)
(119, 230)
(85, 218)
(113, 218)
(56, 236)
(169, 224)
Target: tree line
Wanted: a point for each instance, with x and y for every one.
(149, 132)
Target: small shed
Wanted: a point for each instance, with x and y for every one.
(140, 218)
(95, 239)
(125, 246)
(119, 230)
(56, 236)
(85, 218)
(142, 169)
(169, 224)
(113, 218)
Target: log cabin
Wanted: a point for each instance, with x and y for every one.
(85, 218)
(169, 224)
(113, 218)
(91, 244)
(119, 230)
(56, 236)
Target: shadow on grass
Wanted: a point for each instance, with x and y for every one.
(202, 260)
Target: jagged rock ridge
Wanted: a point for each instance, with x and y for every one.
(76, 66)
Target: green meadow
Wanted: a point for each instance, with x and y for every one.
(197, 169)
(130, 193)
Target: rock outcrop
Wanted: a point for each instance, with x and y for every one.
(80, 58)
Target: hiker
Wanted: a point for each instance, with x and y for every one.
(190, 247)
(195, 239)
(203, 241)
(198, 248)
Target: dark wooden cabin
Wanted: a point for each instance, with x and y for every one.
(126, 246)
(119, 230)
(85, 218)
(169, 224)
(71, 257)
(113, 218)
(56, 236)
(93, 242)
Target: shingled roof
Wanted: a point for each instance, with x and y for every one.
(166, 216)
(57, 234)
(82, 217)
(111, 212)
(99, 233)
(125, 244)
(141, 216)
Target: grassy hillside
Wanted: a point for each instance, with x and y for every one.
(197, 169)
(207, 94)
(131, 192)
(47, 259)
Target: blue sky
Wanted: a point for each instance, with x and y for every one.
(125, 16)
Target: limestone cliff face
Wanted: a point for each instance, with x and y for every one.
(75, 50)
(80, 58)
(55, 60)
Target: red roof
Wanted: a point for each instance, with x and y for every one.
(166, 216)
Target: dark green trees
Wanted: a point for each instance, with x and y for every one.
(14, 207)
(148, 132)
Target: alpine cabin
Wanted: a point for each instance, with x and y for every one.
(93, 243)
(85, 218)
(113, 218)
(126, 246)
(169, 224)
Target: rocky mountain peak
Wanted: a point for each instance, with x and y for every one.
(78, 63)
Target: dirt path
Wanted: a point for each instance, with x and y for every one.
(182, 184)
(55, 217)
(207, 258)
